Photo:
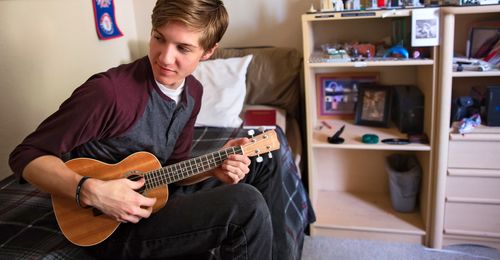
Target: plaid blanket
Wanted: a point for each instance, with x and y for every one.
(29, 229)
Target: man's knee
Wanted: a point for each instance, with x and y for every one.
(247, 198)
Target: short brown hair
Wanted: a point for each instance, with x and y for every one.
(207, 16)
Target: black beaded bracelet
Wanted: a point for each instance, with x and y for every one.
(78, 189)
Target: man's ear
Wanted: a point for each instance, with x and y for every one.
(209, 52)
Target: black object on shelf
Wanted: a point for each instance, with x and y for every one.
(408, 109)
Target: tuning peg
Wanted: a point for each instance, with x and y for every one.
(262, 129)
(259, 159)
(270, 155)
(251, 132)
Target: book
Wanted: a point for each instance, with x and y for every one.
(260, 118)
(255, 117)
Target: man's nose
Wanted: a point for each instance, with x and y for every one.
(167, 55)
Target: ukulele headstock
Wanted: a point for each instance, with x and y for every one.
(262, 143)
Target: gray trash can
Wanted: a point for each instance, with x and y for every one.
(404, 181)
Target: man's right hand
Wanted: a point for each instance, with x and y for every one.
(118, 199)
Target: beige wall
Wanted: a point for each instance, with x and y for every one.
(251, 22)
(49, 47)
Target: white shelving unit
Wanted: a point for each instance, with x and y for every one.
(467, 194)
(348, 183)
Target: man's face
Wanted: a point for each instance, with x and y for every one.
(174, 53)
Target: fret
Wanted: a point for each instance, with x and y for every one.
(169, 174)
(162, 176)
(155, 178)
(147, 185)
(159, 177)
(188, 168)
(213, 160)
(200, 166)
(174, 171)
(203, 164)
(150, 179)
(181, 171)
(219, 156)
(208, 161)
(196, 166)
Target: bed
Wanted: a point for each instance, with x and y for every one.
(27, 223)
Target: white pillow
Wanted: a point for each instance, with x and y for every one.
(224, 91)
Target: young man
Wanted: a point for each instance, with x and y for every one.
(151, 105)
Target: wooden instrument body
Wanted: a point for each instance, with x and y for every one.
(81, 225)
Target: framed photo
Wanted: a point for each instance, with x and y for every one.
(374, 106)
(483, 38)
(337, 93)
(425, 27)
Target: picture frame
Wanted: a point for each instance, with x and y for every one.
(374, 105)
(337, 93)
(425, 27)
(483, 37)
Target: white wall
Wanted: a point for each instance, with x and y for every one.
(49, 47)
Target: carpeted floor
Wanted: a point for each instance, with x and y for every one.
(323, 248)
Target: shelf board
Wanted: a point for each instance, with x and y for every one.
(473, 74)
(467, 9)
(352, 135)
(480, 133)
(364, 212)
(356, 14)
(361, 64)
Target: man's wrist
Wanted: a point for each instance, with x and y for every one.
(78, 193)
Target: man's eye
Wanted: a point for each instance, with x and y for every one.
(184, 49)
(158, 38)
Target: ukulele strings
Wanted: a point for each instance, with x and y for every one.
(188, 168)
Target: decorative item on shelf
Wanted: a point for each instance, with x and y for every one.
(335, 52)
(421, 52)
(337, 93)
(397, 51)
(366, 50)
(466, 64)
(348, 5)
(338, 5)
(462, 107)
(312, 10)
(397, 141)
(369, 139)
(468, 124)
(326, 5)
(418, 138)
(373, 107)
(335, 138)
(493, 106)
(408, 108)
(325, 124)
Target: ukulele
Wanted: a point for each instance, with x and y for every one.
(89, 226)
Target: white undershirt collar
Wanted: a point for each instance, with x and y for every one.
(174, 94)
